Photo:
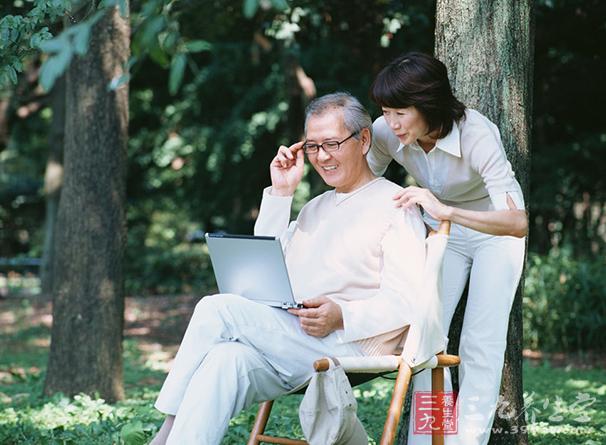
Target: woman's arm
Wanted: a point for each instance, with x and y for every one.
(512, 222)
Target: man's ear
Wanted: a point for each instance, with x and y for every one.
(366, 138)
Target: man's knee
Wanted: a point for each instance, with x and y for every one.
(213, 306)
(235, 362)
(244, 367)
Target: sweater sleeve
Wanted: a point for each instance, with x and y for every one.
(274, 216)
(378, 156)
(393, 306)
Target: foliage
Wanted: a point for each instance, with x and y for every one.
(568, 193)
(22, 35)
(564, 306)
(166, 256)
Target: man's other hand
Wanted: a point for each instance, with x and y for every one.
(320, 317)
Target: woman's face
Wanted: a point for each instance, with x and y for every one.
(408, 124)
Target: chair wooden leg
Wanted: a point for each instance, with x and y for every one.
(260, 422)
(395, 408)
(437, 385)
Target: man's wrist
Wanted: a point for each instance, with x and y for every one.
(280, 191)
(448, 213)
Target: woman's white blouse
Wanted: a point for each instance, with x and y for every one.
(465, 167)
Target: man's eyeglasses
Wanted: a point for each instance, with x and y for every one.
(328, 146)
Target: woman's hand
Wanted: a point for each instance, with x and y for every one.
(320, 317)
(415, 195)
(286, 169)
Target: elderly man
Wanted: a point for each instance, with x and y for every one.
(355, 261)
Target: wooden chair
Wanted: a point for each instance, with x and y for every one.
(362, 369)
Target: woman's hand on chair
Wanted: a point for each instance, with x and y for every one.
(416, 195)
(320, 317)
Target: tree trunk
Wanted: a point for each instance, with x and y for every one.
(88, 306)
(53, 178)
(488, 48)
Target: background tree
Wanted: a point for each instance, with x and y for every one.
(53, 179)
(487, 47)
(88, 306)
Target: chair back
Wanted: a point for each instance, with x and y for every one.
(426, 336)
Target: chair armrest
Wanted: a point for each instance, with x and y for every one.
(371, 364)
(444, 227)
(447, 360)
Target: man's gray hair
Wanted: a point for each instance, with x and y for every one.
(355, 116)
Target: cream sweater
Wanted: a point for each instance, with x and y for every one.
(359, 250)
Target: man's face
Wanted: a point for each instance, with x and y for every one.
(346, 168)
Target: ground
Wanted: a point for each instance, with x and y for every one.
(565, 394)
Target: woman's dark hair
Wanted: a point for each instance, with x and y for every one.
(421, 81)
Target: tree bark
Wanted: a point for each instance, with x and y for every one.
(88, 306)
(53, 179)
(488, 46)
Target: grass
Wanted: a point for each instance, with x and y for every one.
(563, 405)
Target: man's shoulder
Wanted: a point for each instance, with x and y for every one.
(386, 187)
(384, 197)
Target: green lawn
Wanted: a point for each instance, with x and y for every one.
(563, 405)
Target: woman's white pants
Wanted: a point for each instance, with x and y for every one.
(235, 353)
(494, 265)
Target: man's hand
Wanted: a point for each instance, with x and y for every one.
(286, 169)
(320, 317)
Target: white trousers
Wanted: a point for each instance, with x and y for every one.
(494, 265)
(235, 353)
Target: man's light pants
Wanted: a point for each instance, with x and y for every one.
(495, 264)
(235, 353)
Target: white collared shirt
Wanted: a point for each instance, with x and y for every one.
(464, 168)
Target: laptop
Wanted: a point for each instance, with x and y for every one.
(253, 267)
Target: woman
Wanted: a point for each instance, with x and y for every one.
(456, 156)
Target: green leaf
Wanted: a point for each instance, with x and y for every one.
(118, 81)
(81, 37)
(250, 8)
(123, 8)
(196, 46)
(12, 74)
(55, 66)
(54, 45)
(170, 41)
(280, 4)
(39, 37)
(133, 433)
(177, 68)
(158, 55)
(151, 29)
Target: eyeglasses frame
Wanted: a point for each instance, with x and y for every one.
(318, 146)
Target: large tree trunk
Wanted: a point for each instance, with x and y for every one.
(53, 179)
(487, 46)
(88, 306)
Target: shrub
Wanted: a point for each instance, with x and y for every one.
(564, 303)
